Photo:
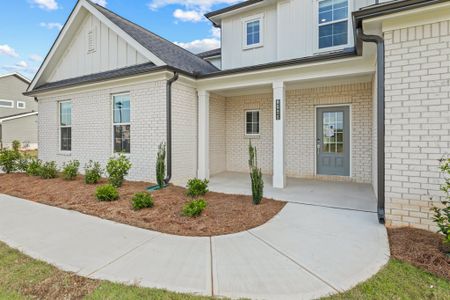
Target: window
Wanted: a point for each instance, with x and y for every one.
(121, 123)
(21, 104)
(252, 122)
(333, 23)
(253, 32)
(6, 103)
(65, 125)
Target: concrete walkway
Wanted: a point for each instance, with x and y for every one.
(305, 252)
(335, 194)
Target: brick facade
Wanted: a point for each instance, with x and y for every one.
(300, 130)
(417, 120)
(92, 128)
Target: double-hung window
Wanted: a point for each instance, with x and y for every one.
(253, 36)
(333, 23)
(252, 122)
(121, 123)
(65, 125)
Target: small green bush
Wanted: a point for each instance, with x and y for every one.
(194, 208)
(442, 214)
(142, 200)
(48, 170)
(117, 168)
(197, 187)
(23, 162)
(92, 172)
(106, 193)
(70, 170)
(161, 165)
(9, 160)
(34, 167)
(16, 145)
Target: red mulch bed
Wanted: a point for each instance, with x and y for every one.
(224, 214)
(420, 248)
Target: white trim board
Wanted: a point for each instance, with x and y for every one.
(18, 117)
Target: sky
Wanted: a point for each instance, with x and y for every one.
(28, 28)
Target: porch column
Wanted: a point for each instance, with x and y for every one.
(279, 104)
(203, 135)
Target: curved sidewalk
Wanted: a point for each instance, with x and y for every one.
(305, 252)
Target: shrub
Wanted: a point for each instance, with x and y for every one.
(93, 172)
(142, 200)
(117, 168)
(16, 145)
(442, 214)
(9, 160)
(34, 167)
(194, 208)
(23, 162)
(48, 170)
(106, 193)
(161, 165)
(196, 187)
(70, 170)
(255, 175)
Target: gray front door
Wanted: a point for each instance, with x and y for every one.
(333, 141)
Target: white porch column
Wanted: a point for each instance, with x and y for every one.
(279, 104)
(203, 135)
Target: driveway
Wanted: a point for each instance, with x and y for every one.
(304, 252)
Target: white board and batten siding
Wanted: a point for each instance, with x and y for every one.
(289, 31)
(95, 48)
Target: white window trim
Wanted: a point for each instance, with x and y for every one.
(317, 25)
(245, 123)
(10, 101)
(21, 102)
(60, 126)
(114, 124)
(245, 21)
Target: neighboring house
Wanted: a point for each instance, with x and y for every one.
(300, 79)
(18, 113)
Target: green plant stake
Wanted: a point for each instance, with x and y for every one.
(255, 175)
(161, 165)
(442, 214)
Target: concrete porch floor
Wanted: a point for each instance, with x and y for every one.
(346, 195)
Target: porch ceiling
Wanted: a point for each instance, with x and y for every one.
(295, 84)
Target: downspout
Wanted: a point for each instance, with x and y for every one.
(379, 41)
(169, 125)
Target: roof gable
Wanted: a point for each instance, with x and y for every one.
(150, 46)
(167, 51)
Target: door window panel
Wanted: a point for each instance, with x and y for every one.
(333, 132)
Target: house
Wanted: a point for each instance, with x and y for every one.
(18, 113)
(334, 90)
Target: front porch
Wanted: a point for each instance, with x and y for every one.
(343, 195)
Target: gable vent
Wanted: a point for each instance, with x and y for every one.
(92, 40)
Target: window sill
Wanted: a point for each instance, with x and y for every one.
(64, 153)
(252, 136)
(251, 47)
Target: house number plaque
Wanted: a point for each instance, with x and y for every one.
(278, 109)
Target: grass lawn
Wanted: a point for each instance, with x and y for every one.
(22, 277)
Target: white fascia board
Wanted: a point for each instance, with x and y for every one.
(84, 4)
(16, 74)
(327, 69)
(18, 117)
(414, 17)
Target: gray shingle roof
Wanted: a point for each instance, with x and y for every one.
(210, 53)
(118, 73)
(168, 52)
